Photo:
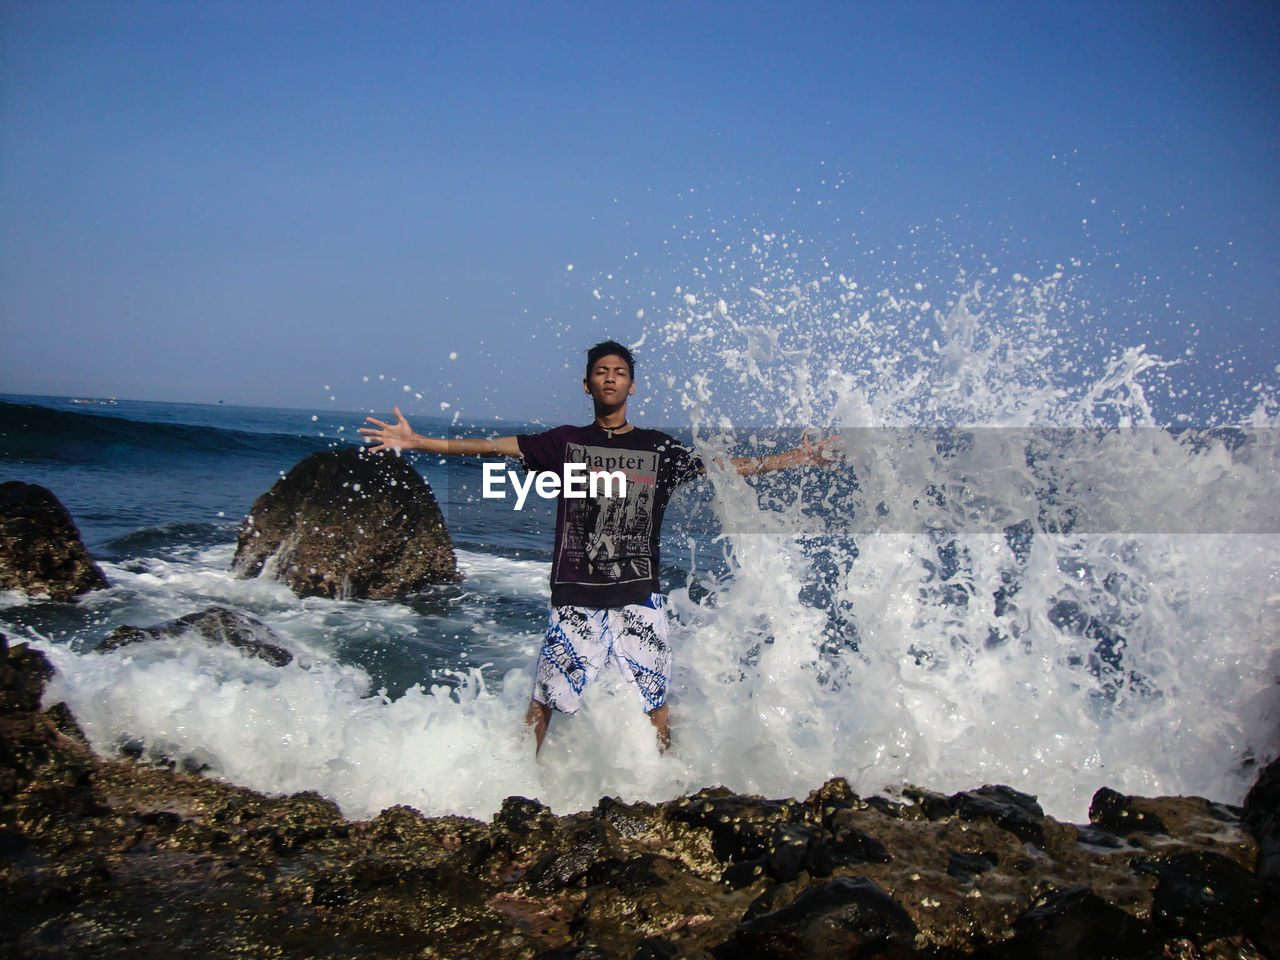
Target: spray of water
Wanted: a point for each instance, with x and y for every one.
(1053, 591)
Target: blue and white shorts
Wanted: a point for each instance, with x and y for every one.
(580, 640)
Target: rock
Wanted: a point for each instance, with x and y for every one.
(1123, 815)
(40, 548)
(1201, 894)
(1095, 837)
(966, 866)
(23, 675)
(629, 876)
(1077, 923)
(890, 808)
(744, 873)
(583, 951)
(520, 814)
(850, 845)
(1262, 819)
(565, 867)
(1006, 808)
(102, 857)
(34, 749)
(629, 821)
(842, 916)
(652, 948)
(344, 887)
(740, 827)
(935, 806)
(348, 524)
(1019, 813)
(399, 824)
(788, 847)
(832, 797)
(216, 625)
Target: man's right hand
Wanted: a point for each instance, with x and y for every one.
(388, 436)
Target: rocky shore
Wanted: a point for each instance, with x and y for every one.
(110, 857)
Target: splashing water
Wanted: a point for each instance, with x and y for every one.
(1053, 591)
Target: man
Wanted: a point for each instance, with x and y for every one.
(606, 604)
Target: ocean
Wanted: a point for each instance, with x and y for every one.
(1017, 573)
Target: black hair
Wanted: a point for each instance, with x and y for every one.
(611, 347)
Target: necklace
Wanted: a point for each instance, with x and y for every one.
(610, 431)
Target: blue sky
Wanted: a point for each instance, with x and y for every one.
(268, 202)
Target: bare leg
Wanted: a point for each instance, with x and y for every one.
(538, 717)
(658, 717)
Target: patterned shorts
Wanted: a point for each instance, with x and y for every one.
(581, 639)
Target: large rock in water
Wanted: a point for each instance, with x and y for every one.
(40, 548)
(214, 625)
(348, 524)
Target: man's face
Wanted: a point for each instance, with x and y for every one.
(609, 381)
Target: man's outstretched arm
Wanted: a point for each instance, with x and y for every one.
(808, 454)
(400, 436)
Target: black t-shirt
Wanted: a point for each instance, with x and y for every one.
(606, 550)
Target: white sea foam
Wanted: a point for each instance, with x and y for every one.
(501, 575)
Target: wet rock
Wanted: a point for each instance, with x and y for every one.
(850, 845)
(745, 872)
(1074, 924)
(398, 824)
(584, 951)
(1261, 817)
(832, 797)
(1019, 813)
(23, 675)
(935, 806)
(842, 916)
(60, 716)
(966, 866)
(629, 876)
(349, 884)
(41, 552)
(628, 820)
(796, 848)
(1006, 808)
(1123, 815)
(44, 774)
(565, 867)
(787, 847)
(1095, 837)
(216, 625)
(1202, 895)
(652, 948)
(348, 524)
(524, 845)
(520, 814)
(300, 822)
(769, 900)
(740, 826)
(890, 808)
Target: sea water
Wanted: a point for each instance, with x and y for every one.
(1014, 569)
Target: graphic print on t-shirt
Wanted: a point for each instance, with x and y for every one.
(606, 539)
